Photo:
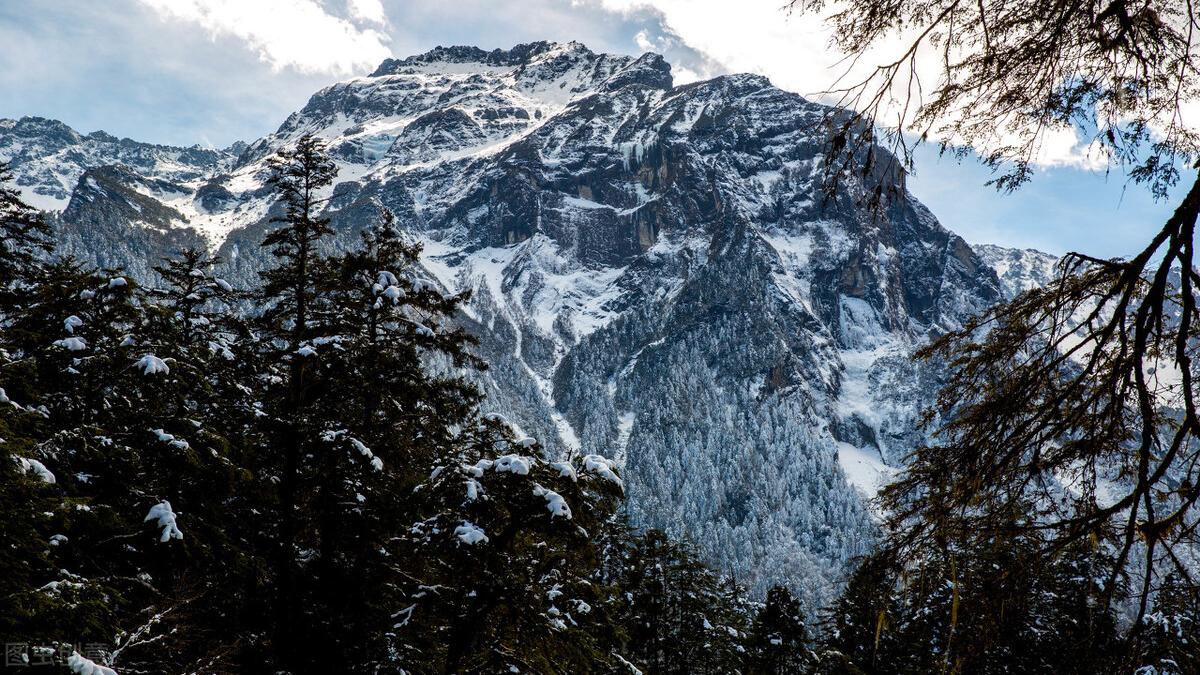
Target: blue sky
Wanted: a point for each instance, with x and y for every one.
(216, 71)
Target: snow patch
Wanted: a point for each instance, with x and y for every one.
(152, 365)
(513, 464)
(35, 467)
(603, 467)
(72, 344)
(469, 534)
(171, 440)
(85, 666)
(864, 469)
(162, 513)
(554, 502)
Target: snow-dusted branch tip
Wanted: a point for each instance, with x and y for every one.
(150, 364)
(85, 666)
(468, 533)
(166, 520)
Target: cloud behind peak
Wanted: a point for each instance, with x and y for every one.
(311, 40)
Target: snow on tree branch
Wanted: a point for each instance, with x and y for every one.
(166, 520)
(150, 364)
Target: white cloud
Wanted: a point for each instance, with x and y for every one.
(642, 40)
(687, 63)
(296, 34)
(368, 10)
(748, 36)
(1062, 146)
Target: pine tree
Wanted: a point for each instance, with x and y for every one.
(778, 641)
(130, 424)
(1169, 641)
(506, 555)
(73, 367)
(986, 608)
(285, 333)
(385, 415)
(24, 244)
(681, 617)
(194, 415)
(41, 599)
(858, 633)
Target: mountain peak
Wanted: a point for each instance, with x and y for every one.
(40, 126)
(1019, 269)
(519, 55)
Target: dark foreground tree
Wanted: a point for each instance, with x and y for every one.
(1070, 416)
(29, 501)
(388, 400)
(778, 641)
(24, 243)
(680, 616)
(995, 608)
(285, 333)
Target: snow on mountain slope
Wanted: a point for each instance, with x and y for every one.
(1019, 269)
(48, 158)
(657, 277)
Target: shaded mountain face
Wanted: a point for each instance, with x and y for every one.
(656, 275)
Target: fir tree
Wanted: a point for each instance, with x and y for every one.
(385, 415)
(195, 413)
(681, 617)
(988, 608)
(287, 294)
(41, 599)
(27, 490)
(1169, 641)
(24, 243)
(778, 642)
(506, 557)
(857, 628)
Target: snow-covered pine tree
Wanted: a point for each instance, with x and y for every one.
(124, 424)
(503, 562)
(289, 435)
(24, 242)
(680, 617)
(858, 635)
(778, 642)
(37, 600)
(383, 415)
(987, 607)
(73, 369)
(191, 381)
(1169, 641)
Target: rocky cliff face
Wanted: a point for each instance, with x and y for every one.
(656, 274)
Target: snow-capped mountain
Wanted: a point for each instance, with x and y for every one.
(1019, 269)
(657, 276)
(48, 158)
